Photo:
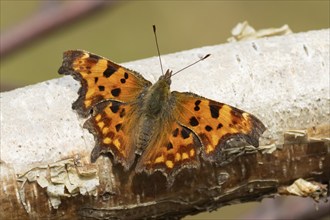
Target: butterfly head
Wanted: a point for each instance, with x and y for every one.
(166, 78)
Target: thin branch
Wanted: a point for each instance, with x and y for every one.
(45, 20)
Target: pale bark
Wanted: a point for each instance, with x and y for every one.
(284, 81)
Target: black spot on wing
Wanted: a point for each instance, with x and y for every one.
(101, 88)
(116, 92)
(193, 121)
(197, 108)
(208, 128)
(114, 107)
(214, 109)
(175, 132)
(219, 126)
(118, 126)
(109, 71)
(169, 146)
(185, 133)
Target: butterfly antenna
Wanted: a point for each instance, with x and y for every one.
(160, 60)
(203, 58)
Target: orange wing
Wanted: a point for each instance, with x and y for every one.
(196, 125)
(101, 79)
(111, 91)
(172, 149)
(214, 123)
(113, 124)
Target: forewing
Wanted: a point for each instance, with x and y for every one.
(101, 79)
(214, 123)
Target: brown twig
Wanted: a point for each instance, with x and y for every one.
(44, 21)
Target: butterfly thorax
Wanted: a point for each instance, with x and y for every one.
(157, 97)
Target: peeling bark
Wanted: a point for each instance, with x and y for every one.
(45, 168)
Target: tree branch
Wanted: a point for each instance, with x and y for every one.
(284, 81)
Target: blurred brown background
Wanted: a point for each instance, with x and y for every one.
(122, 31)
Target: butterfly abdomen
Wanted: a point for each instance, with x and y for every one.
(144, 133)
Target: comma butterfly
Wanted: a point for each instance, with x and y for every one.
(133, 119)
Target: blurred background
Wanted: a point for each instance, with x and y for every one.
(34, 35)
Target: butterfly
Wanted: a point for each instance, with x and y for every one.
(146, 125)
